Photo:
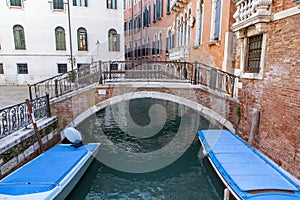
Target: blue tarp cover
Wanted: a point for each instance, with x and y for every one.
(45, 172)
(244, 168)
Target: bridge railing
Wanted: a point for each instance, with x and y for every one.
(16, 117)
(118, 71)
(214, 78)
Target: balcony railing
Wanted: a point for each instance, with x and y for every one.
(251, 12)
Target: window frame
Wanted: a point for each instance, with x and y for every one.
(16, 3)
(245, 53)
(80, 3)
(59, 70)
(113, 45)
(19, 37)
(60, 40)
(82, 41)
(111, 4)
(20, 70)
(58, 4)
(1, 68)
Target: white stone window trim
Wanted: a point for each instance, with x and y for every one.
(244, 54)
(15, 7)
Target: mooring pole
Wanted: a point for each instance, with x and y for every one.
(36, 130)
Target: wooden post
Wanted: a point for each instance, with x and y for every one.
(36, 130)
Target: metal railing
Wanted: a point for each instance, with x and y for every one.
(16, 117)
(135, 70)
(214, 79)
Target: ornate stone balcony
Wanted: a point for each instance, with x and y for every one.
(297, 2)
(252, 12)
(180, 53)
(178, 5)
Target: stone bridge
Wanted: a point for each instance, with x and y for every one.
(219, 108)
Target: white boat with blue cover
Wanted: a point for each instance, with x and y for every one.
(52, 175)
(244, 171)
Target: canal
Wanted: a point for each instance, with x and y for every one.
(149, 150)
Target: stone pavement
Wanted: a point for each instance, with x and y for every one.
(10, 95)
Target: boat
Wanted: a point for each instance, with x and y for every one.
(51, 175)
(245, 172)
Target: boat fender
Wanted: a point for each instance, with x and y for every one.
(72, 136)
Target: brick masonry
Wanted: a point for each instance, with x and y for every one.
(277, 96)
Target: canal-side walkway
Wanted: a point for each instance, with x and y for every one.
(11, 95)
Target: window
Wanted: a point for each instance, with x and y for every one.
(146, 16)
(168, 10)
(58, 4)
(60, 39)
(199, 23)
(62, 68)
(19, 37)
(82, 39)
(154, 11)
(125, 28)
(216, 20)
(16, 3)
(22, 68)
(124, 4)
(159, 9)
(1, 68)
(80, 3)
(130, 26)
(114, 40)
(254, 54)
(154, 46)
(111, 4)
(129, 3)
(159, 50)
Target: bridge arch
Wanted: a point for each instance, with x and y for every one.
(206, 112)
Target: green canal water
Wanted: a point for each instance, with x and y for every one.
(149, 150)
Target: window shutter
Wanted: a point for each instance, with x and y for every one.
(218, 19)
(118, 42)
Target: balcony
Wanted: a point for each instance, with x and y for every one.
(178, 5)
(297, 2)
(181, 53)
(252, 12)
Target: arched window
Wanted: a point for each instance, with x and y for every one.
(113, 40)
(60, 38)
(19, 37)
(82, 39)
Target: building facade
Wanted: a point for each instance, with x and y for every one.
(39, 38)
(146, 25)
(268, 63)
(203, 32)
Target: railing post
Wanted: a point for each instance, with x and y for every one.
(48, 110)
(100, 72)
(56, 87)
(213, 78)
(109, 70)
(30, 92)
(194, 72)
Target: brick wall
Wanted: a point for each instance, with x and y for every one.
(277, 96)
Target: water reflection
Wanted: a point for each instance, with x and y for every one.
(184, 178)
